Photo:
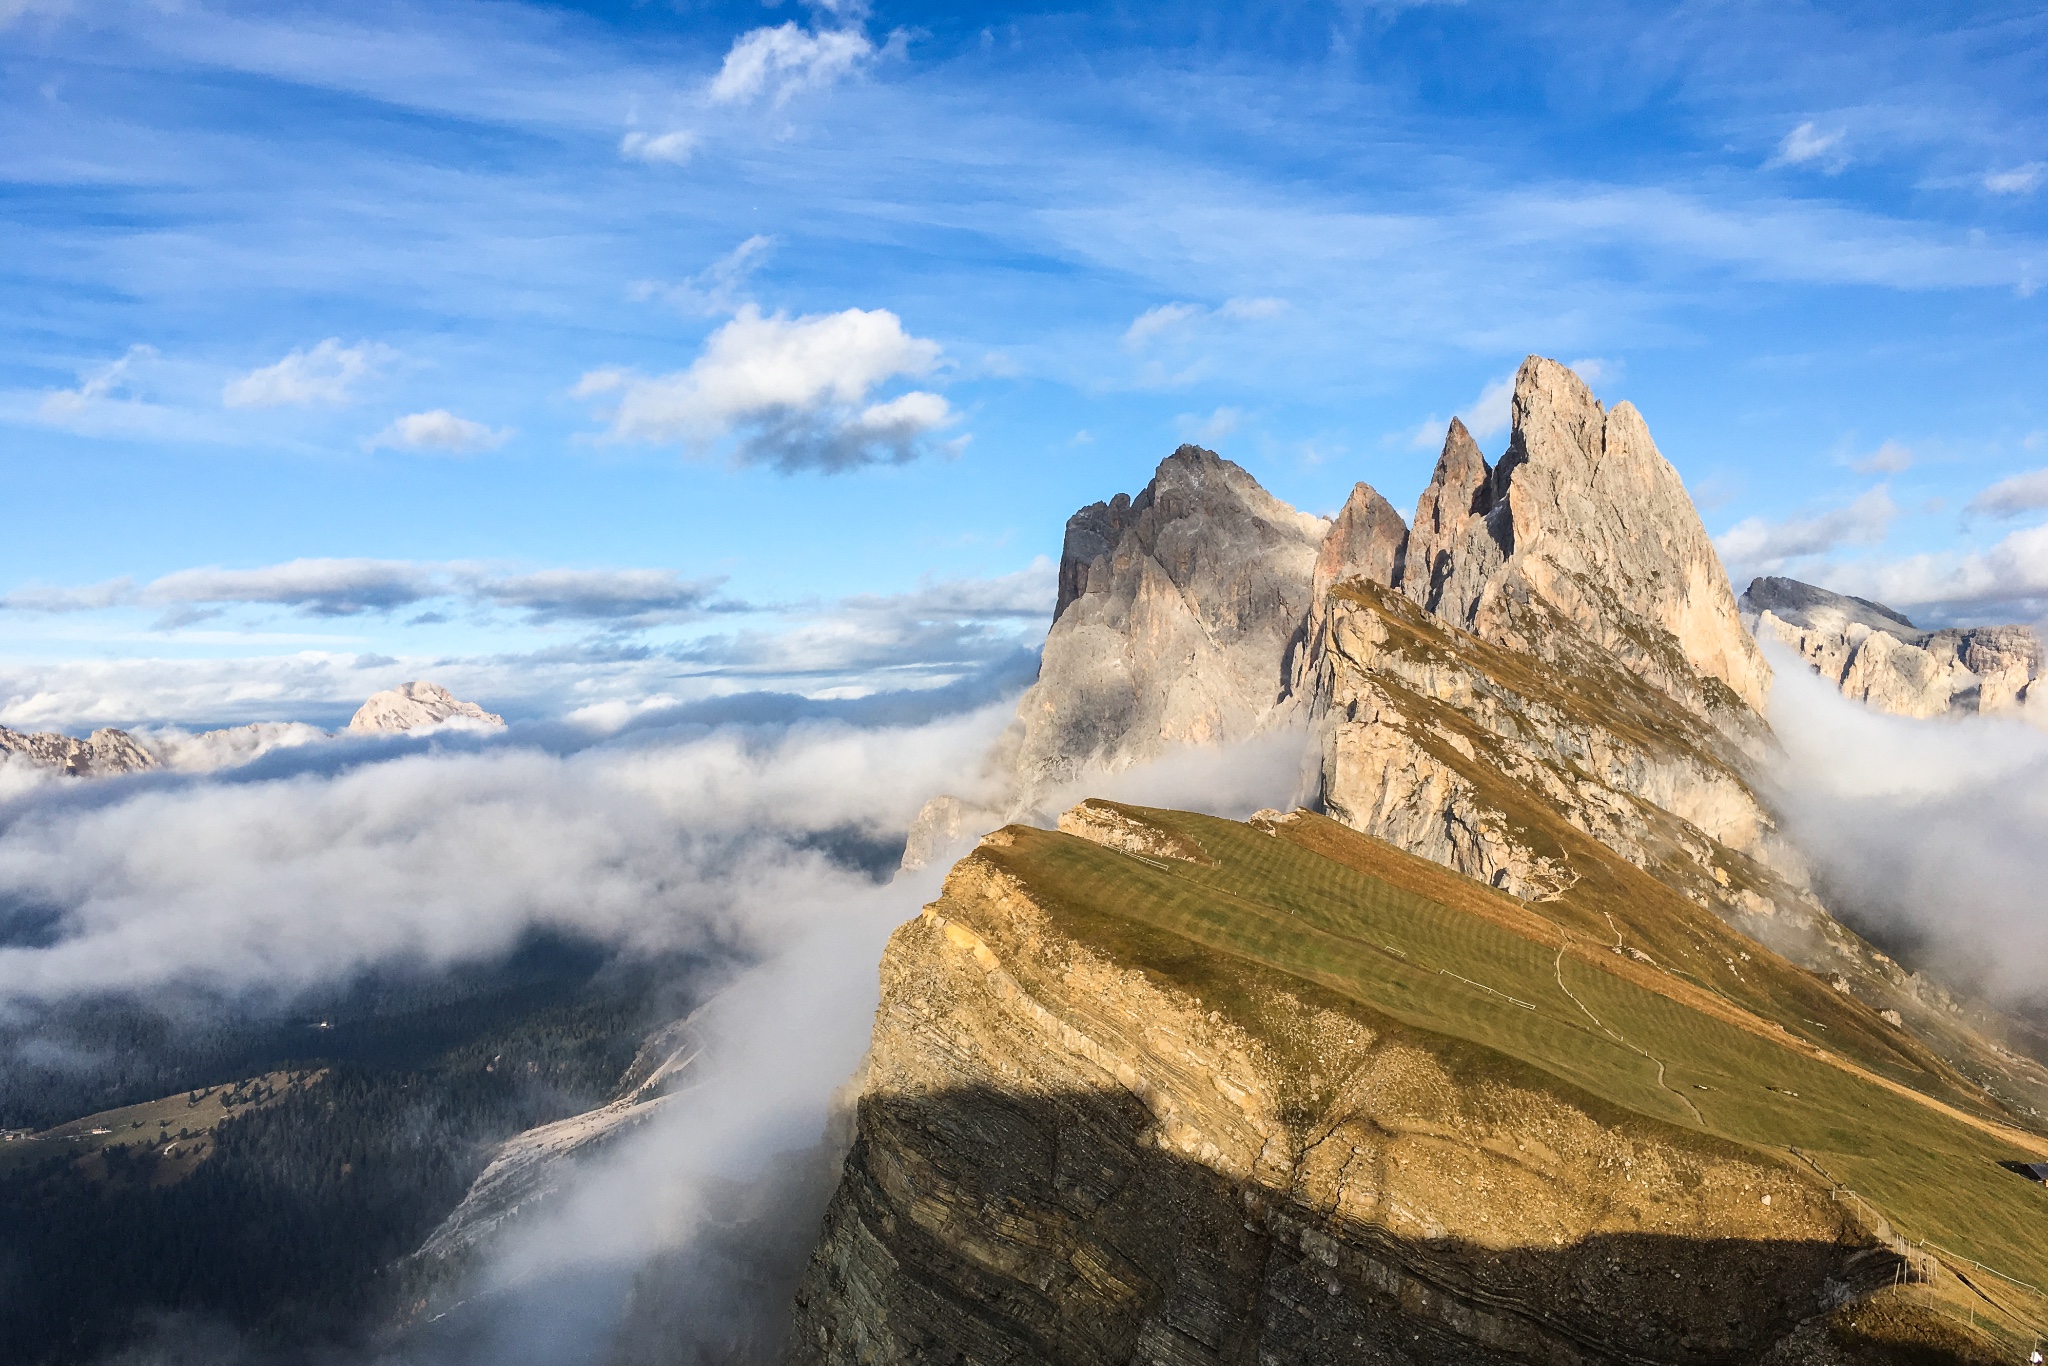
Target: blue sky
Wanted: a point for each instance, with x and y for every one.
(591, 359)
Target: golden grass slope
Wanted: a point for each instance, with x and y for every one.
(1747, 1049)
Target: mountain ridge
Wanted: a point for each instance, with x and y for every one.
(1538, 709)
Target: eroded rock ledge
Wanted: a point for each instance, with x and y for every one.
(1065, 1158)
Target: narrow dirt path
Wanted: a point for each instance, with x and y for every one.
(1683, 1099)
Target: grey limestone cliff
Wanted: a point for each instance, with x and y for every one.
(1878, 656)
(1586, 516)
(1175, 613)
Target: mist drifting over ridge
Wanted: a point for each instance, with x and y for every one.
(755, 852)
(1927, 833)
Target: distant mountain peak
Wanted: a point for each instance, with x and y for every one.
(412, 705)
(1877, 656)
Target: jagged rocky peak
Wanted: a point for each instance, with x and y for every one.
(1175, 613)
(1808, 605)
(106, 751)
(415, 704)
(1453, 550)
(1877, 656)
(1367, 541)
(1590, 521)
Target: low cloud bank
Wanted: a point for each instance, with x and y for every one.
(1927, 834)
(753, 844)
(667, 845)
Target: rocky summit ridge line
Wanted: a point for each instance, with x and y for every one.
(1160, 1088)
(417, 705)
(1551, 638)
(1877, 656)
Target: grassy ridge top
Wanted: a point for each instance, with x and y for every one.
(1319, 908)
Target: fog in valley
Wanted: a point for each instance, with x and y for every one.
(754, 864)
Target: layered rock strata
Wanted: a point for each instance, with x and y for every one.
(1176, 611)
(1573, 652)
(1083, 1141)
(1879, 657)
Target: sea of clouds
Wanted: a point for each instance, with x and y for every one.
(756, 845)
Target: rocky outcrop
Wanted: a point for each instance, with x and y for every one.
(1078, 1144)
(1451, 748)
(1878, 656)
(104, 752)
(1589, 519)
(1456, 545)
(1367, 541)
(412, 705)
(527, 1171)
(1175, 613)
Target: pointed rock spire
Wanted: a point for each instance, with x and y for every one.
(1176, 613)
(1452, 550)
(1593, 523)
(1368, 540)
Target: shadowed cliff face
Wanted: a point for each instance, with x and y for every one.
(1176, 610)
(1176, 1089)
(1092, 1242)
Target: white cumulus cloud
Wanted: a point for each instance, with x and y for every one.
(797, 393)
(787, 59)
(1755, 545)
(439, 430)
(2009, 580)
(327, 373)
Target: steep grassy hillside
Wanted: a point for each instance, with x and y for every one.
(1275, 968)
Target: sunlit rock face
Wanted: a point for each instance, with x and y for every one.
(1878, 656)
(1087, 1135)
(1584, 515)
(105, 751)
(411, 705)
(1063, 1157)
(1176, 613)
(1551, 638)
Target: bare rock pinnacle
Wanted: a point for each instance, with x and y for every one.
(1175, 615)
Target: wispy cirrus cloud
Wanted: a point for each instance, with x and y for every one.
(353, 587)
(2018, 180)
(674, 147)
(1812, 145)
(719, 287)
(326, 373)
(790, 393)
(1177, 319)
